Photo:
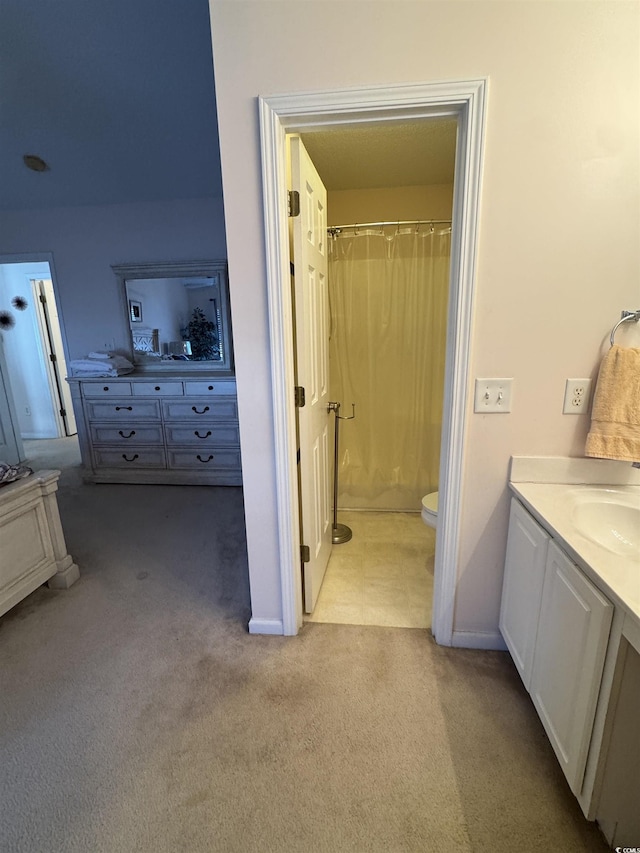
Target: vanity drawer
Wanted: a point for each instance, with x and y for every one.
(157, 389)
(102, 434)
(214, 458)
(104, 388)
(126, 411)
(115, 457)
(203, 435)
(196, 409)
(205, 388)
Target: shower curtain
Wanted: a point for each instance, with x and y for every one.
(388, 306)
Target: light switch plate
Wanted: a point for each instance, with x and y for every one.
(493, 395)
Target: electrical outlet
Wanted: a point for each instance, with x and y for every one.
(577, 393)
(493, 395)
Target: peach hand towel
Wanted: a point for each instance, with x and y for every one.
(615, 418)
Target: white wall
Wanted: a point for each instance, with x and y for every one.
(389, 204)
(25, 355)
(559, 255)
(86, 241)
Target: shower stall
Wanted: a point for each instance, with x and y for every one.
(388, 294)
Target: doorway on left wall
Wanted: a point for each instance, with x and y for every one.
(34, 357)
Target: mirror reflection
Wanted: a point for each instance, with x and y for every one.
(175, 319)
(177, 314)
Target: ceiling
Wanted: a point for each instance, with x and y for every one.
(396, 154)
(118, 98)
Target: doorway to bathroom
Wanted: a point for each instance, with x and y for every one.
(388, 281)
(464, 101)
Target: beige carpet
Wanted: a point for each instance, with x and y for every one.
(137, 714)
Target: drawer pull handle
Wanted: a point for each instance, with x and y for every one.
(106, 388)
(210, 388)
(133, 458)
(128, 408)
(194, 409)
(157, 388)
(196, 432)
(133, 432)
(200, 459)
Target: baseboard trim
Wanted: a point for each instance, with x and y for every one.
(490, 640)
(266, 626)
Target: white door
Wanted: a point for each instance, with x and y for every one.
(11, 450)
(312, 352)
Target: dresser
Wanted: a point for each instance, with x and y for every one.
(168, 428)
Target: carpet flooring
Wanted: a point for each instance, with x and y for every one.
(137, 713)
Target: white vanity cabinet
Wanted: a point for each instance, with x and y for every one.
(556, 626)
(525, 564)
(573, 630)
(171, 430)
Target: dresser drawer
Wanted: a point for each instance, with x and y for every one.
(228, 460)
(206, 388)
(203, 435)
(113, 457)
(104, 388)
(199, 409)
(157, 389)
(125, 411)
(101, 434)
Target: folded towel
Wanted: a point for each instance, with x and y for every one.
(115, 365)
(79, 373)
(99, 355)
(98, 374)
(615, 417)
(120, 361)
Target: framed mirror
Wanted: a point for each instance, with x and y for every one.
(177, 315)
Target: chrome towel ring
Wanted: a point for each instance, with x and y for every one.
(627, 316)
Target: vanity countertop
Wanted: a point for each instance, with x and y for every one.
(615, 574)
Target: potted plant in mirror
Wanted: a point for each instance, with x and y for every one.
(201, 332)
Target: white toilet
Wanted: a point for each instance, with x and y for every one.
(430, 509)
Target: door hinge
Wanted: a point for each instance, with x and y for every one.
(305, 554)
(293, 202)
(300, 396)
(42, 298)
(52, 357)
(63, 413)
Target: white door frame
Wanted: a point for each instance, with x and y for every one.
(47, 319)
(282, 114)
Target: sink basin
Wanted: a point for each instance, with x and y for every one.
(609, 517)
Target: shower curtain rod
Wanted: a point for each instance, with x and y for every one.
(336, 229)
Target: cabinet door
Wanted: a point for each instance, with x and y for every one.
(522, 587)
(573, 631)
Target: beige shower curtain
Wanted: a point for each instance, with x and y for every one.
(388, 300)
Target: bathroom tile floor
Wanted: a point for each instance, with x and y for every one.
(383, 575)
